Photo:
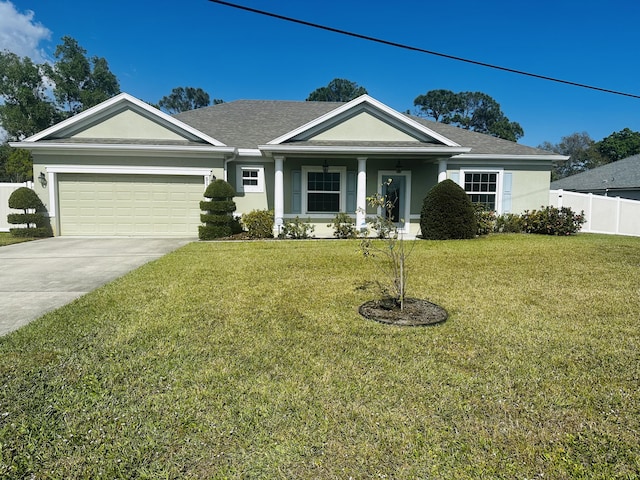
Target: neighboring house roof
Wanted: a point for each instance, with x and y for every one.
(249, 123)
(621, 175)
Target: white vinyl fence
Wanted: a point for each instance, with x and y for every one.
(612, 215)
(6, 189)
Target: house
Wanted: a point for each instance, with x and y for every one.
(616, 179)
(126, 168)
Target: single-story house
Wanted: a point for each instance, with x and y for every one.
(616, 179)
(125, 168)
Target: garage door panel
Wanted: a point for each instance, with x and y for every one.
(100, 204)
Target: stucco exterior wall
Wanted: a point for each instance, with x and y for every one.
(364, 127)
(530, 189)
(130, 125)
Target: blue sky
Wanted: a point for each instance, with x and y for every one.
(153, 47)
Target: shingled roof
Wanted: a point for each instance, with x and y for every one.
(623, 174)
(249, 123)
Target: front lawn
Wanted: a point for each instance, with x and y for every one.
(7, 239)
(249, 360)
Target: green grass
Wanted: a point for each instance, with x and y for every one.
(7, 239)
(249, 360)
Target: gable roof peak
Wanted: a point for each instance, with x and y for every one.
(113, 104)
(344, 109)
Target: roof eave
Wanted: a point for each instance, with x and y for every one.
(99, 149)
(289, 149)
(509, 156)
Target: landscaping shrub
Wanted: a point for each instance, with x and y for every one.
(297, 229)
(447, 213)
(258, 223)
(343, 226)
(509, 223)
(485, 219)
(552, 221)
(218, 220)
(37, 223)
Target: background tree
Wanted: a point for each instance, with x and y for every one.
(19, 166)
(183, 99)
(582, 152)
(438, 104)
(26, 109)
(619, 145)
(474, 111)
(80, 82)
(338, 90)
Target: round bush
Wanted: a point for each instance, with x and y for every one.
(24, 198)
(259, 223)
(447, 213)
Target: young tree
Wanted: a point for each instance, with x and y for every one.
(182, 99)
(338, 90)
(80, 82)
(25, 109)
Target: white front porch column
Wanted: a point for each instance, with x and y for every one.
(361, 193)
(442, 170)
(278, 195)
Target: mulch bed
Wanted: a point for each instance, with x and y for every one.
(416, 312)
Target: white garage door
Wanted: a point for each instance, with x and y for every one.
(106, 204)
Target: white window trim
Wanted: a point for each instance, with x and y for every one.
(498, 171)
(304, 191)
(259, 188)
(383, 175)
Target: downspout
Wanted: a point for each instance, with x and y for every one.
(233, 157)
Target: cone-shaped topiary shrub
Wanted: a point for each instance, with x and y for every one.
(37, 223)
(218, 219)
(447, 213)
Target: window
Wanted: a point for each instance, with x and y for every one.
(482, 187)
(323, 192)
(250, 178)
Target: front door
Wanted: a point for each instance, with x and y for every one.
(394, 190)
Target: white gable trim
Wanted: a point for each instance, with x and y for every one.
(114, 102)
(364, 99)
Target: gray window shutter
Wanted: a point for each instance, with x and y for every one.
(351, 192)
(296, 191)
(506, 193)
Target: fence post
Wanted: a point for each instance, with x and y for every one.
(618, 207)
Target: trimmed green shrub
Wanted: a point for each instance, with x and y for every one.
(218, 219)
(447, 213)
(25, 199)
(220, 190)
(258, 223)
(343, 226)
(509, 223)
(552, 221)
(218, 206)
(297, 229)
(37, 223)
(485, 219)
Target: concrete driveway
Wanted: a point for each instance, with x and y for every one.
(42, 275)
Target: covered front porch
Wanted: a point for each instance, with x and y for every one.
(317, 187)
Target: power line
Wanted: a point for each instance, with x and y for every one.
(421, 50)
